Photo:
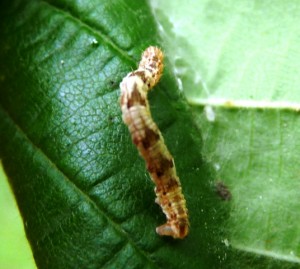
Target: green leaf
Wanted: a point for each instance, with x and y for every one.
(81, 187)
(12, 232)
(238, 62)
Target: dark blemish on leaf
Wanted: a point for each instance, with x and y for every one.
(222, 191)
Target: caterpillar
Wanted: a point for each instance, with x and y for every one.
(150, 143)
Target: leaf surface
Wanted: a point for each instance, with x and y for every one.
(238, 64)
(81, 187)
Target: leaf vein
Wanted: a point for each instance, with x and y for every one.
(81, 192)
(96, 32)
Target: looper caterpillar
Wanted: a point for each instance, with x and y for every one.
(150, 143)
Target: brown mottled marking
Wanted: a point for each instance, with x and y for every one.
(150, 143)
(151, 137)
(136, 98)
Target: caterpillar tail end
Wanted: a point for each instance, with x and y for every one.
(177, 231)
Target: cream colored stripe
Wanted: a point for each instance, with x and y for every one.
(227, 103)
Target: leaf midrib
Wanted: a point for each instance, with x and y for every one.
(242, 104)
